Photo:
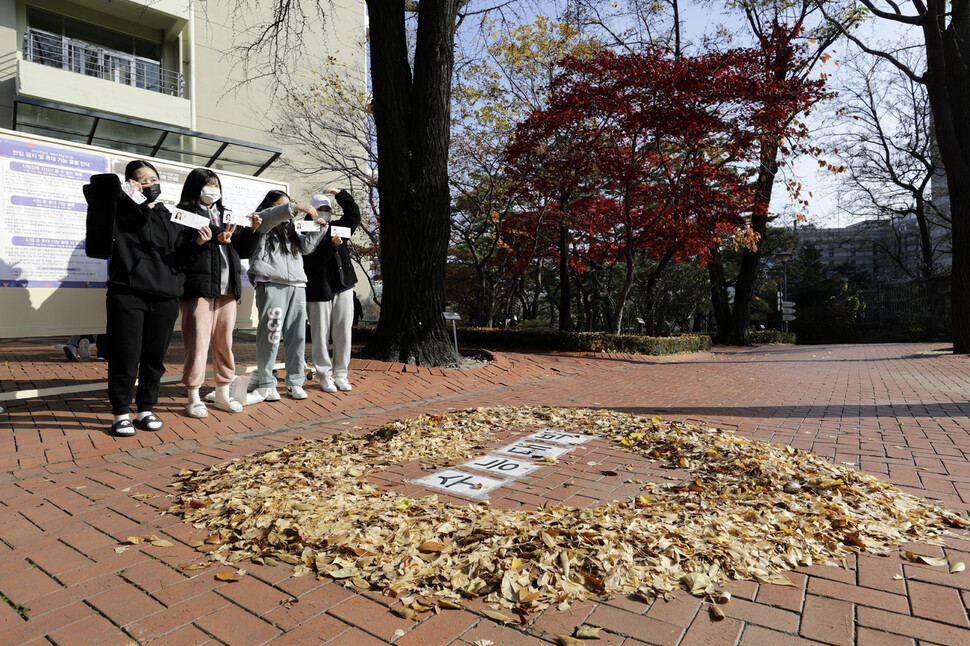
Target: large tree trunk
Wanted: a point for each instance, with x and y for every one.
(960, 279)
(740, 323)
(720, 308)
(412, 117)
(565, 318)
(948, 87)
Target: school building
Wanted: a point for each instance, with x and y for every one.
(164, 79)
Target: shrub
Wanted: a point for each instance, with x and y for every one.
(760, 337)
(581, 341)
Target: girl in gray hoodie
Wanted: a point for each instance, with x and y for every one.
(276, 271)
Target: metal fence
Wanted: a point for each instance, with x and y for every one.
(892, 303)
(84, 58)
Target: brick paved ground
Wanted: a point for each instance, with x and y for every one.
(71, 495)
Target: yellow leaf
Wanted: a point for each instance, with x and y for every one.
(227, 576)
(566, 640)
(404, 613)
(716, 613)
(497, 616)
(959, 566)
(162, 543)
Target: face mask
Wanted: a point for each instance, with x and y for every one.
(152, 192)
(210, 195)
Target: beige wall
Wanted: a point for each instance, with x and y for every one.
(229, 105)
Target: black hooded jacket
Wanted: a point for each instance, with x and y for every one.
(149, 252)
(328, 268)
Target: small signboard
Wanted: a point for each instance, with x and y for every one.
(459, 483)
(788, 303)
(558, 437)
(501, 465)
(787, 317)
(533, 450)
(451, 316)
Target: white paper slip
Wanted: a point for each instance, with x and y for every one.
(533, 450)
(501, 465)
(343, 232)
(239, 220)
(191, 220)
(304, 226)
(460, 483)
(557, 437)
(132, 192)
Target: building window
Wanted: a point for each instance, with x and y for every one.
(76, 46)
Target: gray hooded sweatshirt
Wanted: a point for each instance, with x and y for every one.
(274, 265)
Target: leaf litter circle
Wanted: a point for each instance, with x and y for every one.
(747, 510)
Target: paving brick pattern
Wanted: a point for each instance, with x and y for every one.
(70, 495)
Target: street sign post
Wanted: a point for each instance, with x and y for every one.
(787, 317)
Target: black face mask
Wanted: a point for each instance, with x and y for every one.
(152, 192)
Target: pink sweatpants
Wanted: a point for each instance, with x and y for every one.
(205, 322)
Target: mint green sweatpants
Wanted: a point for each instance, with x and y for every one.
(282, 315)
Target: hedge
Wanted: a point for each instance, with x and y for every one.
(570, 341)
(760, 337)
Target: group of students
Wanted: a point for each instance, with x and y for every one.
(159, 268)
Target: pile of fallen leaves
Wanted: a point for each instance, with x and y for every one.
(746, 510)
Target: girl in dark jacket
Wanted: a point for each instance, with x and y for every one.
(144, 283)
(212, 288)
(330, 295)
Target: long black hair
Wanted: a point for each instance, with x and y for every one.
(192, 190)
(283, 236)
(134, 165)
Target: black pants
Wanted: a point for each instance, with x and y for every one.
(139, 330)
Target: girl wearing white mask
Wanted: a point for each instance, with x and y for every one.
(212, 289)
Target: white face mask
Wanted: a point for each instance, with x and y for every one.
(210, 195)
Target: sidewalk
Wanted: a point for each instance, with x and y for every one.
(71, 494)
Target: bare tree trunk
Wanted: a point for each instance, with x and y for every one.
(565, 295)
(412, 117)
(720, 307)
(740, 322)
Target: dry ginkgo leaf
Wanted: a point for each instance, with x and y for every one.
(716, 613)
(928, 560)
(959, 566)
(403, 612)
(228, 577)
(566, 640)
(696, 582)
(587, 632)
(497, 616)
(301, 505)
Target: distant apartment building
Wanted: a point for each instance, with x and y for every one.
(885, 251)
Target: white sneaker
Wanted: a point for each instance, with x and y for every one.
(84, 349)
(327, 385)
(343, 384)
(296, 392)
(268, 394)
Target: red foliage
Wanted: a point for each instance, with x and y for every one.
(661, 149)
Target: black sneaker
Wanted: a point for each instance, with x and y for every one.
(71, 353)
